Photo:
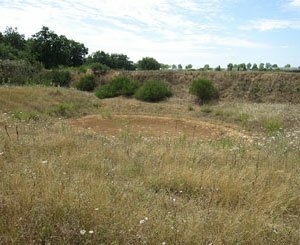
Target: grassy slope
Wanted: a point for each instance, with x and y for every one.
(56, 181)
(274, 87)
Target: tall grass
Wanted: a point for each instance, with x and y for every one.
(62, 185)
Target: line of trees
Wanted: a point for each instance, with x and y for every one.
(53, 51)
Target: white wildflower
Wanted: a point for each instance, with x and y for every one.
(82, 232)
(142, 221)
(44, 161)
(1, 153)
(91, 232)
(96, 209)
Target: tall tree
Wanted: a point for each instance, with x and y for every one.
(229, 67)
(53, 50)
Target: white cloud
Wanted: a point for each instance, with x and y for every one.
(159, 28)
(295, 3)
(271, 24)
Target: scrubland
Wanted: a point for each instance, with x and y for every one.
(65, 184)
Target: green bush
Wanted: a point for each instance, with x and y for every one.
(129, 87)
(153, 91)
(204, 90)
(60, 78)
(105, 91)
(99, 68)
(18, 72)
(86, 83)
(120, 85)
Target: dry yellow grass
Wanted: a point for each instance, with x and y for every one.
(59, 184)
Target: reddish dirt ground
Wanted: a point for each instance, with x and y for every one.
(154, 126)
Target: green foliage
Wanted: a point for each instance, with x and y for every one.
(86, 83)
(229, 67)
(148, 63)
(105, 91)
(99, 68)
(272, 125)
(203, 89)
(53, 50)
(60, 78)
(113, 61)
(17, 72)
(153, 91)
(129, 87)
(120, 85)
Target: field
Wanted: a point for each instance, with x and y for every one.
(76, 169)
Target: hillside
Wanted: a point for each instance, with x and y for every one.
(241, 86)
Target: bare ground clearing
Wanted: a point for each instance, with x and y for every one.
(155, 126)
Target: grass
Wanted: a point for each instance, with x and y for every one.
(59, 184)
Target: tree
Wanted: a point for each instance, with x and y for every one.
(275, 67)
(165, 66)
(254, 67)
(218, 68)
(242, 67)
(13, 38)
(179, 67)
(268, 66)
(249, 66)
(261, 66)
(206, 67)
(174, 67)
(53, 50)
(189, 67)
(287, 66)
(148, 63)
(229, 67)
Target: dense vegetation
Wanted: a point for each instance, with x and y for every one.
(118, 86)
(153, 91)
(204, 90)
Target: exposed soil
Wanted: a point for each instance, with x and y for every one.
(155, 126)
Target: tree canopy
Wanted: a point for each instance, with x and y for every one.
(53, 50)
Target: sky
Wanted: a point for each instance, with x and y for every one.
(196, 32)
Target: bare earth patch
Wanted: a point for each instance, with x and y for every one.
(154, 126)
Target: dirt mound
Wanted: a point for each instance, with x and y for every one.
(273, 87)
(154, 126)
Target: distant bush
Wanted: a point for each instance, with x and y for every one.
(120, 85)
(204, 90)
(86, 83)
(148, 63)
(99, 68)
(153, 91)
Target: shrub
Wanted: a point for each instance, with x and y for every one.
(17, 72)
(60, 78)
(120, 85)
(105, 91)
(148, 63)
(204, 90)
(153, 91)
(99, 68)
(129, 87)
(86, 83)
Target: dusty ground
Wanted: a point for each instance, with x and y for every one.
(154, 126)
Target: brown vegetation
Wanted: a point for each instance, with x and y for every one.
(62, 184)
